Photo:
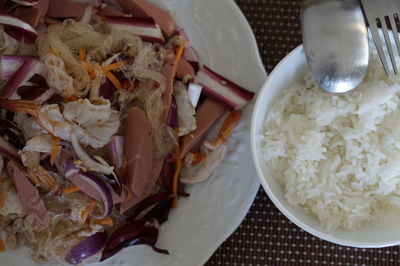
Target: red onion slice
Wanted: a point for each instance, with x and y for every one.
(94, 186)
(113, 181)
(107, 90)
(139, 232)
(38, 91)
(145, 28)
(167, 176)
(222, 89)
(8, 150)
(18, 29)
(115, 150)
(26, 2)
(156, 206)
(29, 68)
(87, 248)
(11, 63)
(12, 133)
(70, 168)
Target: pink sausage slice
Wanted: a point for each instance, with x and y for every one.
(50, 21)
(43, 7)
(29, 15)
(65, 9)
(126, 205)
(207, 114)
(32, 15)
(138, 151)
(31, 202)
(109, 11)
(142, 8)
(184, 68)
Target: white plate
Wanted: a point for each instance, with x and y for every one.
(215, 208)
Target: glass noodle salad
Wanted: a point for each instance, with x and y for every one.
(105, 108)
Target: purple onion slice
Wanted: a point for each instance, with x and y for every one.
(11, 63)
(167, 175)
(18, 29)
(8, 150)
(26, 2)
(156, 206)
(222, 89)
(139, 232)
(146, 28)
(92, 185)
(28, 69)
(115, 149)
(87, 248)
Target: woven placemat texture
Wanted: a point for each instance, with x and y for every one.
(266, 237)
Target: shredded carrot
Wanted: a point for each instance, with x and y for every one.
(178, 56)
(48, 119)
(85, 213)
(72, 98)
(113, 66)
(197, 157)
(227, 127)
(113, 79)
(2, 246)
(53, 51)
(90, 70)
(82, 54)
(176, 176)
(106, 221)
(70, 190)
(55, 149)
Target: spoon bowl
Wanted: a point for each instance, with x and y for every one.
(335, 40)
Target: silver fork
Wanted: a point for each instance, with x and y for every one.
(385, 13)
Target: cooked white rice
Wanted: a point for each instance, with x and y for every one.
(338, 156)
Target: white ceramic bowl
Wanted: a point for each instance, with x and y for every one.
(286, 73)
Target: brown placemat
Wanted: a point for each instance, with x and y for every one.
(266, 237)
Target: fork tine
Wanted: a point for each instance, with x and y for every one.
(388, 44)
(395, 32)
(378, 45)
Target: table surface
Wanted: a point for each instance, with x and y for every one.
(266, 237)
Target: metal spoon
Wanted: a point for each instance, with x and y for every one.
(335, 40)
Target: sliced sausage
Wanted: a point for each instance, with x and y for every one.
(156, 170)
(143, 8)
(109, 11)
(207, 114)
(65, 9)
(43, 7)
(138, 151)
(31, 202)
(184, 68)
(29, 15)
